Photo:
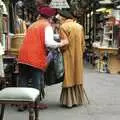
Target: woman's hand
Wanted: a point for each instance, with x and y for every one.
(64, 42)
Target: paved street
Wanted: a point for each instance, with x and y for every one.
(103, 91)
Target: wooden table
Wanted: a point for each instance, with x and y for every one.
(113, 61)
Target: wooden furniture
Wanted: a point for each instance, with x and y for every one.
(16, 42)
(113, 61)
(114, 64)
(109, 50)
(108, 36)
(22, 96)
(9, 69)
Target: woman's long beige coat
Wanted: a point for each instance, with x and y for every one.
(73, 53)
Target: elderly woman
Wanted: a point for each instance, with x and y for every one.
(1, 62)
(73, 36)
(1, 67)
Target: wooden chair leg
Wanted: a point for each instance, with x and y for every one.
(36, 111)
(2, 111)
(31, 113)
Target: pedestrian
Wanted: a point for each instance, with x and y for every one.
(72, 34)
(1, 62)
(32, 56)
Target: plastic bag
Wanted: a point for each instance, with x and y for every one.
(55, 71)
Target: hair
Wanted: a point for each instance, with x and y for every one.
(66, 14)
(45, 16)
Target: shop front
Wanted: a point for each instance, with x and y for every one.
(106, 43)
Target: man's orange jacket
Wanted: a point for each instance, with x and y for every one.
(33, 50)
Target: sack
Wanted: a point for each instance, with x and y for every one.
(55, 71)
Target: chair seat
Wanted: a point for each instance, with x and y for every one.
(18, 94)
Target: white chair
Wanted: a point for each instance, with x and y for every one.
(20, 95)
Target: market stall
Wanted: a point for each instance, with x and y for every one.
(107, 47)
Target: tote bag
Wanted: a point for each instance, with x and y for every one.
(55, 71)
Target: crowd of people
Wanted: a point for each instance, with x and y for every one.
(33, 54)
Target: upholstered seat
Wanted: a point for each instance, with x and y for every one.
(20, 95)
